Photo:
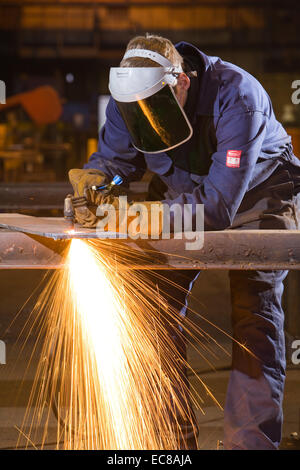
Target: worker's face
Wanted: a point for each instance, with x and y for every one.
(181, 89)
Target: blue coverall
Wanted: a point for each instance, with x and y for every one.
(240, 164)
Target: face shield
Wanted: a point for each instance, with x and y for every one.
(147, 102)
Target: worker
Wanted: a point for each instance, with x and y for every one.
(211, 138)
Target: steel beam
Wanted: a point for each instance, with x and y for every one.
(229, 249)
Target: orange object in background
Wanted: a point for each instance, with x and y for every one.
(3, 130)
(91, 147)
(42, 105)
(294, 132)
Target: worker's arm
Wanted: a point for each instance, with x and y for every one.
(223, 189)
(116, 154)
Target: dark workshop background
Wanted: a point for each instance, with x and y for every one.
(69, 45)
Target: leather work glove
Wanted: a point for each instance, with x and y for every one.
(129, 218)
(85, 208)
(105, 196)
(116, 215)
(145, 218)
(85, 213)
(82, 180)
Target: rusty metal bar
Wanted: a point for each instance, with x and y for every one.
(21, 251)
(229, 249)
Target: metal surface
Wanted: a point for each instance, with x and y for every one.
(21, 251)
(229, 249)
(49, 227)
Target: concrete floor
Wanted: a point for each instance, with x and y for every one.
(210, 299)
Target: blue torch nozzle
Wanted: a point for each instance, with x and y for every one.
(116, 181)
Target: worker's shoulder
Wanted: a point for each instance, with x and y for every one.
(235, 89)
(239, 90)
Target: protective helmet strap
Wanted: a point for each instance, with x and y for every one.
(152, 55)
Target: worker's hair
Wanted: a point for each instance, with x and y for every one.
(154, 43)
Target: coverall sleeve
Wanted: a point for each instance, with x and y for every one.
(116, 154)
(223, 189)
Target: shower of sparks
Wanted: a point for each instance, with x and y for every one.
(109, 368)
(108, 365)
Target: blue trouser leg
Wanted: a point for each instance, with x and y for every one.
(253, 409)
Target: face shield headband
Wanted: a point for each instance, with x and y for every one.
(147, 102)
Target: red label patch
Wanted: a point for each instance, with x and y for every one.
(233, 158)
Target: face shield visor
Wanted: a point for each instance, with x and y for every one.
(147, 102)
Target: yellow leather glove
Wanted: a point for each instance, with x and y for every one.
(85, 210)
(145, 218)
(82, 180)
(135, 219)
(85, 213)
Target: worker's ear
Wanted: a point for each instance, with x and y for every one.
(183, 81)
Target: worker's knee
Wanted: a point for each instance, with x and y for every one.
(256, 293)
(258, 320)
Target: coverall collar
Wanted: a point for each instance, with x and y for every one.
(208, 100)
